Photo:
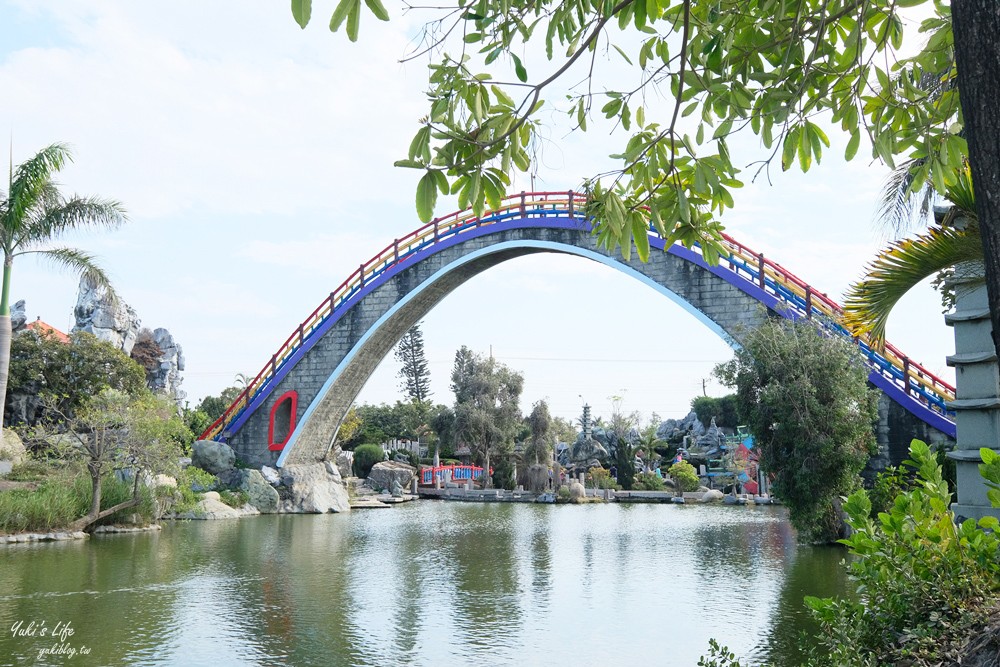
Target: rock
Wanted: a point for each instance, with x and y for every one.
(18, 318)
(538, 478)
(270, 475)
(311, 488)
(711, 441)
(345, 463)
(213, 457)
(11, 448)
(96, 313)
(383, 474)
(210, 507)
(167, 378)
(164, 480)
(712, 496)
(262, 495)
(585, 451)
(577, 492)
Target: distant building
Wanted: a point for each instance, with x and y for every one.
(45, 329)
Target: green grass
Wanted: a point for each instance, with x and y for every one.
(62, 497)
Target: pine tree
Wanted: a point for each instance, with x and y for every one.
(415, 376)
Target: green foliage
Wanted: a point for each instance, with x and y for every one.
(366, 456)
(215, 406)
(30, 470)
(718, 656)
(196, 479)
(563, 493)
(649, 481)
(807, 404)
(68, 375)
(888, 485)
(684, 474)
(724, 409)
(601, 477)
(411, 457)
(503, 474)
(63, 497)
(541, 441)
(413, 372)
(234, 498)
(842, 61)
(990, 470)
(922, 578)
(486, 405)
(625, 464)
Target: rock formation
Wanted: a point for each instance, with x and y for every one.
(18, 318)
(168, 378)
(117, 323)
(112, 321)
(383, 474)
(313, 488)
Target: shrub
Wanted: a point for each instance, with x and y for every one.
(29, 471)
(366, 456)
(412, 457)
(236, 499)
(563, 493)
(650, 481)
(601, 477)
(922, 580)
(196, 479)
(685, 476)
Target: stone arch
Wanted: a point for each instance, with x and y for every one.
(330, 369)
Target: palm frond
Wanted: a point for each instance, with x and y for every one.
(899, 268)
(29, 184)
(898, 203)
(76, 213)
(79, 262)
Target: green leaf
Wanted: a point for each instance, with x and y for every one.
(340, 13)
(409, 164)
(353, 21)
(852, 145)
(788, 148)
(622, 53)
(420, 146)
(805, 150)
(426, 196)
(522, 74)
(641, 237)
(302, 11)
(378, 9)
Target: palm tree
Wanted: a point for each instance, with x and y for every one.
(32, 214)
(947, 242)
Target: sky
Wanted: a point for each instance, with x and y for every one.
(255, 161)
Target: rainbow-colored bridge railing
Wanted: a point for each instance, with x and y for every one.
(794, 294)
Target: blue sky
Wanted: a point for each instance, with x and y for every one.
(255, 160)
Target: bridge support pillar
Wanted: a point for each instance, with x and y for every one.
(977, 389)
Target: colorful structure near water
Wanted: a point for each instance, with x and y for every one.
(291, 410)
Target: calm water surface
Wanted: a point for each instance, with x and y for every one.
(426, 583)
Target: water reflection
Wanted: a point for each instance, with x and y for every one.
(425, 584)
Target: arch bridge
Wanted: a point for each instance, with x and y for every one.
(291, 411)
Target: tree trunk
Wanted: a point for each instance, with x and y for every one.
(976, 26)
(95, 514)
(5, 338)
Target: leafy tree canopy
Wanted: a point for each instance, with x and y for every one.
(42, 365)
(806, 402)
(776, 68)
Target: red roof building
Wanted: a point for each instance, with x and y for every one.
(45, 329)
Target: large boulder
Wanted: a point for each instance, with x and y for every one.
(313, 488)
(211, 507)
(577, 492)
(712, 496)
(271, 475)
(385, 473)
(345, 462)
(262, 495)
(213, 457)
(11, 448)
